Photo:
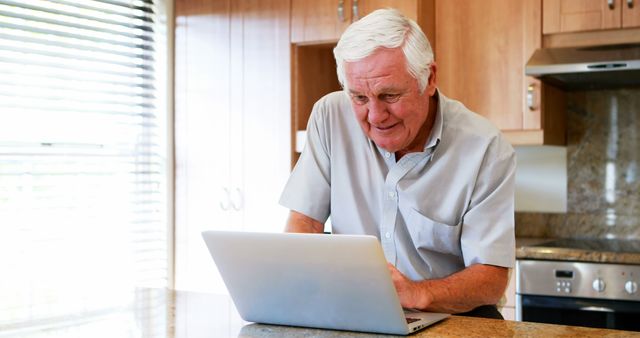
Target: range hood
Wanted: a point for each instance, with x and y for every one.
(611, 66)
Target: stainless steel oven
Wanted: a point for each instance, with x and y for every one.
(589, 294)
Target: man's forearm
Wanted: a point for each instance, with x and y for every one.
(298, 222)
(461, 292)
(465, 290)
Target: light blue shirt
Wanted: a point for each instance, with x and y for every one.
(435, 212)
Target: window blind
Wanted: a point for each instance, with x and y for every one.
(83, 216)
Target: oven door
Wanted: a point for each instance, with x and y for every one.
(610, 314)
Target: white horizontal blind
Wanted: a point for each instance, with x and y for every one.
(82, 157)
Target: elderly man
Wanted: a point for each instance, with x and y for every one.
(391, 156)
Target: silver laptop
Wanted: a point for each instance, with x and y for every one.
(312, 280)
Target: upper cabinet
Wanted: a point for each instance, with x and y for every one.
(322, 21)
(564, 16)
(481, 51)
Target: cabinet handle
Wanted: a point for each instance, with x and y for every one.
(630, 3)
(240, 201)
(226, 198)
(341, 10)
(532, 97)
(356, 13)
(611, 3)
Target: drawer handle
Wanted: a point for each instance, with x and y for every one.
(611, 4)
(356, 13)
(532, 97)
(630, 3)
(341, 10)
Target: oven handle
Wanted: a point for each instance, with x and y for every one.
(596, 309)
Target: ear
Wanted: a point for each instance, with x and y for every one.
(431, 84)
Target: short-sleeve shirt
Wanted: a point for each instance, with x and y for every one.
(435, 212)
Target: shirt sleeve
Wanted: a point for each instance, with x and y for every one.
(308, 190)
(488, 234)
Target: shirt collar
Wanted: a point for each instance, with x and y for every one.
(436, 130)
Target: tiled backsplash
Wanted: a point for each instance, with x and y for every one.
(603, 164)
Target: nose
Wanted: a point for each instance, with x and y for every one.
(377, 112)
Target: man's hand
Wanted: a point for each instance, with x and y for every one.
(462, 291)
(410, 293)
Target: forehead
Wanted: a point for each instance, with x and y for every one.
(385, 68)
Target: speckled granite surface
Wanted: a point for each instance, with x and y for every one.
(603, 164)
(455, 326)
(596, 251)
(563, 254)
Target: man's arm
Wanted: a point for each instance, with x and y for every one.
(298, 222)
(462, 291)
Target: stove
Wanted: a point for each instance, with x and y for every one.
(586, 282)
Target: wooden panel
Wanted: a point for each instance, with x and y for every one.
(592, 38)
(313, 76)
(551, 16)
(408, 7)
(485, 69)
(532, 14)
(554, 119)
(427, 20)
(630, 14)
(580, 15)
(317, 21)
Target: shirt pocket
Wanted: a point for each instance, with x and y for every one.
(430, 235)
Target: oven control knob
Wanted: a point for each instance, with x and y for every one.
(631, 287)
(598, 284)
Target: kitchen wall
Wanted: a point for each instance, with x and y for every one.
(603, 170)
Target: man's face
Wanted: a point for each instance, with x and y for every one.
(387, 101)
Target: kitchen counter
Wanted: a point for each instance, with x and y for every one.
(178, 314)
(532, 248)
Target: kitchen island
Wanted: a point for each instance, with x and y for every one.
(179, 314)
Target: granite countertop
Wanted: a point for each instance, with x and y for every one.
(161, 313)
(454, 326)
(533, 248)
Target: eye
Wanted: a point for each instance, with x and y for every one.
(390, 98)
(359, 99)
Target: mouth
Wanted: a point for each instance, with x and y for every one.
(383, 128)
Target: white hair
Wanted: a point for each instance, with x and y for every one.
(385, 28)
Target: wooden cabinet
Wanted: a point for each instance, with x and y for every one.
(563, 16)
(320, 21)
(232, 117)
(481, 51)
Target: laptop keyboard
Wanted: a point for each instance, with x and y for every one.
(411, 320)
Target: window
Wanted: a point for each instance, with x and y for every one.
(83, 158)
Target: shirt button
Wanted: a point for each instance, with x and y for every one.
(387, 235)
(392, 194)
(387, 154)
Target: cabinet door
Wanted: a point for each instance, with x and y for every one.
(630, 13)
(407, 7)
(482, 48)
(319, 20)
(202, 103)
(265, 112)
(561, 16)
(232, 121)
